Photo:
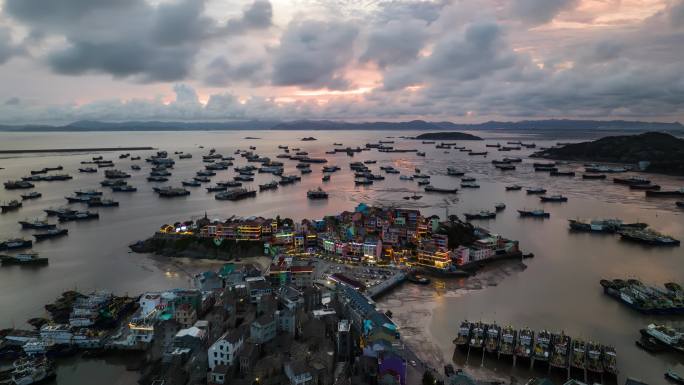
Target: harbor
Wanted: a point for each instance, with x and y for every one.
(98, 251)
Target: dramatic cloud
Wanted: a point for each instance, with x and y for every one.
(396, 42)
(464, 60)
(121, 38)
(220, 72)
(258, 15)
(313, 54)
(7, 48)
(540, 11)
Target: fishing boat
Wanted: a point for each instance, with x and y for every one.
(10, 206)
(23, 259)
(492, 338)
(317, 194)
(157, 179)
(537, 190)
(609, 358)
(562, 173)
(507, 341)
(477, 335)
(542, 346)
(468, 179)
(405, 177)
(500, 206)
(78, 216)
(229, 184)
(171, 192)
(217, 188)
(560, 350)
(100, 202)
(631, 181)
(463, 336)
(268, 186)
(124, 188)
(578, 358)
(505, 167)
(121, 182)
(649, 237)
(235, 194)
(553, 198)
(593, 176)
(514, 187)
(469, 185)
(645, 187)
(116, 174)
(87, 170)
(680, 204)
(18, 184)
(676, 374)
(524, 342)
(454, 172)
(326, 178)
(430, 188)
(31, 195)
(51, 233)
(32, 371)
(37, 225)
(594, 361)
(15, 244)
(484, 214)
(665, 194)
(191, 183)
(538, 213)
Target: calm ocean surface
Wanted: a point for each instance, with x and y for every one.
(559, 289)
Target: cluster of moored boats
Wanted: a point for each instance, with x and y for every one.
(634, 232)
(557, 350)
(644, 298)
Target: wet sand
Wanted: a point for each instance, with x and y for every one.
(412, 308)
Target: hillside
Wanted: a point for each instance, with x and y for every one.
(664, 151)
(448, 135)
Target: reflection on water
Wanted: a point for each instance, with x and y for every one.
(558, 289)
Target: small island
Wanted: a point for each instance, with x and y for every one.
(661, 152)
(448, 135)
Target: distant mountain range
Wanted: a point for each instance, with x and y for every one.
(319, 125)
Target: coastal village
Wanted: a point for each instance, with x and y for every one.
(303, 320)
(308, 316)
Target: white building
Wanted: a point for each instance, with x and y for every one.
(149, 302)
(226, 348)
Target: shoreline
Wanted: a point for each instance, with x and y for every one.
(59, 150)
(413, 307)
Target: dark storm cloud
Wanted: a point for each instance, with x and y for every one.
(540, 11)
(478, 50)
(258, 15)
(122, 38)
(313, 54)
(676, 13)
(427, 11)
(220, 72)
(396, 42)
(7, 48)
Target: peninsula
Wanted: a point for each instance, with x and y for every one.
(663, 153)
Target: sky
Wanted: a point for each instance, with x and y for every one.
(354, 60)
